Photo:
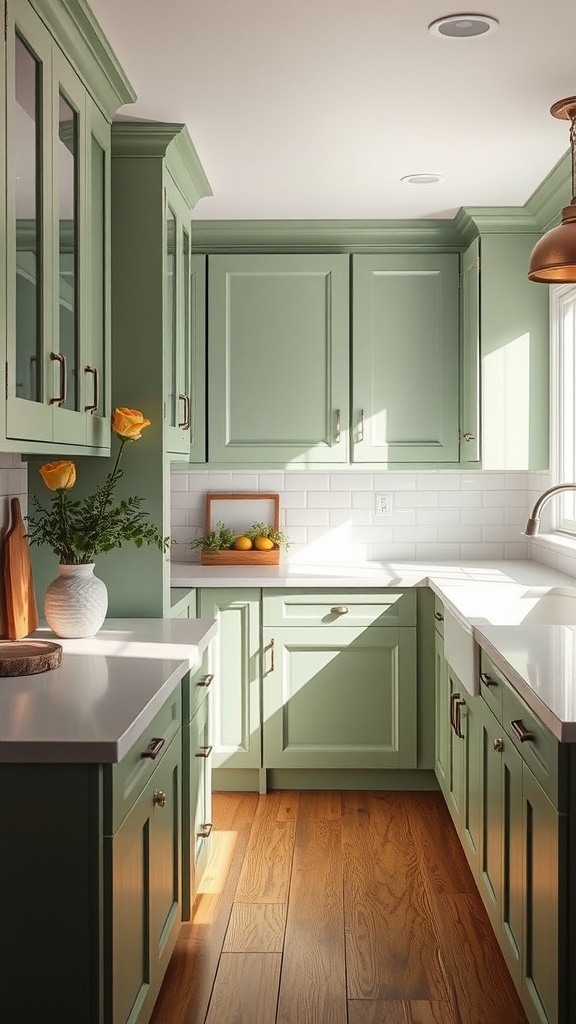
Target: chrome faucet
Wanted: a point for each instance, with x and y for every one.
(533, 524)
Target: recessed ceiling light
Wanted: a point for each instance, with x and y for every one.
(463, 26)
(421, 179)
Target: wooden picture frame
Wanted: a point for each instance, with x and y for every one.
(249, 507)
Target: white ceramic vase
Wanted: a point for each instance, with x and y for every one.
(76, 601)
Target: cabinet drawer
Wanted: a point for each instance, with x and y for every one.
(492, 684)
(539, 749)
(128, 777)
(304, 607)
(438, 615)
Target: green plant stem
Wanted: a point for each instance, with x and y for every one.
(64, 553)
(109, 485)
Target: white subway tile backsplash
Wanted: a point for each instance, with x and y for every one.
(329, 499)
(437, 514)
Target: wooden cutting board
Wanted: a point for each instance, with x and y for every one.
(21, 610)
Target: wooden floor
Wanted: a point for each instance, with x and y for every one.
(336, 908)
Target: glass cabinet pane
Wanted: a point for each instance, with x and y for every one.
(97, 241)
(170, 299)
(28, 212)
(68, 251)
(184, 348)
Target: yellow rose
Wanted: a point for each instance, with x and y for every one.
(128, 423)
(59, 476)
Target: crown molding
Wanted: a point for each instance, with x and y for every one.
(136, 138)
(73, 25)
(325, 236)
(547, 201)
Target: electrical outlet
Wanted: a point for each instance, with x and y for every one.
(383, 503)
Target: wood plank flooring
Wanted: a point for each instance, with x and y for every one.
(336, 908)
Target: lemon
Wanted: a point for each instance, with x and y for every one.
(242, 543)
(263, 544)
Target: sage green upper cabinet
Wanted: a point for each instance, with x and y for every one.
(505, 405)
(157, 180)
(405, 342)
(278, 338)
(59, 105)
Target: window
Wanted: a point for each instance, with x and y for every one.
(563, 376)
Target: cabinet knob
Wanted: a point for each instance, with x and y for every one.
(339, 609)
(204, 830)
(498, 745)
(438, 616)
(468, 437)
(159, 798)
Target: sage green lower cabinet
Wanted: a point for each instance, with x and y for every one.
(143, 862)
(196, 777)
(339, 697)
(457, 759)
(236, 666)
(90, 865)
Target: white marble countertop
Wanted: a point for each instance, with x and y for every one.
(103, 695)
(496, 602)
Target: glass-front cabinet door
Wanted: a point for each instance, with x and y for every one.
(57, 160)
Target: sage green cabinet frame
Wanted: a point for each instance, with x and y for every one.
(278, 342)
(405, 365)
(505, 354)
(94, 87)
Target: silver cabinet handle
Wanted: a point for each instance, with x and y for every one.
(498, 745)
(339, 609)
(186, 421)
(205, 680)
(272, 660)
(95, 394)
(360, 436)
(153, 748)
(58, 357)
(456, 703)
(159, 798)
(338, 427)
(523, 734)
(204, 830)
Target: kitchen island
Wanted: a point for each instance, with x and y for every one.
(94, 765)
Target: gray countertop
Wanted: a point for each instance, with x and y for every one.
(104, 694)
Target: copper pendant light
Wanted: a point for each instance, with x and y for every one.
(553, 259)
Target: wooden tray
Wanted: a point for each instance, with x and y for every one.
(232, 557)
(27, 657)
(240, 517)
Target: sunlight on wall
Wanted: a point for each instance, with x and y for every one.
(506, 415)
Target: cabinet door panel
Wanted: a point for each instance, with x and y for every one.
(405, 358)
(442, 750)
(470, 356)
(278, 343)
(540, 964)
(346, 699)
(145, 861)
(236, 687)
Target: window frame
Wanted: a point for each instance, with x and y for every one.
(563, 405)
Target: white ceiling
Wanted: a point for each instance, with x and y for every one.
(316, 108)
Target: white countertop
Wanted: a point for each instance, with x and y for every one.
(103, 695)
(496, 602)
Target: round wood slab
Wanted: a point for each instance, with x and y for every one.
(26, 657)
